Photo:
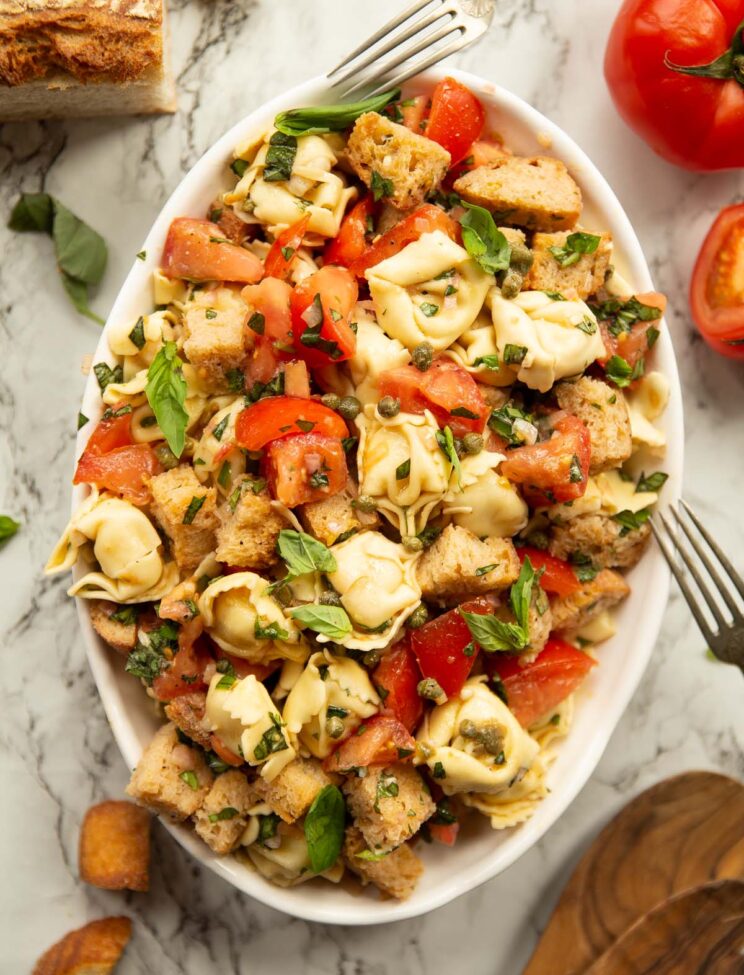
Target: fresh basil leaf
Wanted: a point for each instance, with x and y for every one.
(8, 527)
(483, 240)
(654, 482)
(619, 371)
(324, 828)
(304, 554)
(520, 596)
(371, 857)
(166, 394)
(493, 634)
(330, 118)
(272, 631)
(332, 621)
(280, 158)
(77, 292)
(631, 520)
(81, 251)
(380, 186)
(576, 244)
(32, 212)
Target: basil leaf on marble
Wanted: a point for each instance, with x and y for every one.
(166, 394)
(324, 828)
(8, 528)
(330, 118)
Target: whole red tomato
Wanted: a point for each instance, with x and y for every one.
(675, 70)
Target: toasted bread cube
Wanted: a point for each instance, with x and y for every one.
(535, 192)
(329, 519)
(187, 713)
(446, 571)
(574, 611)
(605, 413)
(121, 636)
(166, 774)
(114, 850)
(246, 537)
(221, 821)
(176, 494)
(93, 949)
(388, 805)
(232, 227)
(600, 540)
(580, 280)
(292, 792)
(413, 164)
(395, 874)
(214, 339)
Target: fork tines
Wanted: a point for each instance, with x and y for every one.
(684, 534)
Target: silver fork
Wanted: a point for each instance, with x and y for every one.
(425, 33)
(681, 533)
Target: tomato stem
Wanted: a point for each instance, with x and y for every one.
(730, 65)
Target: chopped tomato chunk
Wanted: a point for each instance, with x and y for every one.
(446, 389)
(321, 305)
(124, 470)
(185, 674)
(554, 470)
(445, 833)
(197, 250)
(415, 112)
(270, 327)
(227, 755)
(283, 416)
(632, 345)
(398, 675)
(425, 220)
(444, 647)
(558, 577)
(351, 241)
(481, 153)
(381, 740)
(534, 689)
(113, 430)
(303, 468)
(282, 256)
(456, 118)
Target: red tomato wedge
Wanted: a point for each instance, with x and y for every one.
(269, 325)
(558, 577)
(554, 470)
(304, 468)
(445, 833)
(415, 111)
(456, 118)
(381, 740)
(448, 390)
(197, 250)
(124, 470)
(112, 431)
(283, 416)
(281, 257)
(227, 755)
(321, 305)
(398, 675)
(717, 285)
(481, 153)
(185, 674)
(351, 241)
(440, 646)
(533, 690)
(632, 345)
(425, 220)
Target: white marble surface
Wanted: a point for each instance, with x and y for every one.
(56, 751)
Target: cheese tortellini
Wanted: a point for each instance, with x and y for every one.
(544, 339)
(126, 547)
(476, 351)
(431, 291)
(244, 620)
(607, 493)
(473, 743)
(487, 503)
(217, 447)
(329, 687)
(138, 342)
(243, 716)
(312, 189)
(646, 402)
(375, 353)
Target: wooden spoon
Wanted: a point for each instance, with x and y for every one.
(679, 834)
(699, 931)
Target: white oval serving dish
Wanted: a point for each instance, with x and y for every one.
(483, 853)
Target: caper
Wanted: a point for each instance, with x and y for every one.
(334, 727)
(329, 598)
(422, 356)
(349, 407)
(418, 617)
(468, 729)
(371, 659)
(472, 443)
(512, 284)
(459, 448)
(331, 401)
(166, 457)
(412, 543)
(492, 739)
(365, 503)
(388, 406)
(430, 689)
(283, 595)
(521, 258)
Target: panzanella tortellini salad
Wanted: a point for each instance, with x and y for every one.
(363, 487)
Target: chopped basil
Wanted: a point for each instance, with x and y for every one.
(272, 740)
(267, 828)
(193, 509)
(215, 215)
(216, 240)
(166, 394)
(288, 253)
(438, 771)
(450, 290)
(225, 474)
(380, 186)
(111, 414)
(146, 662)
(235, 380)
(220, 428)
(654, 482)
(584, 569)
(333, 712)
(324, 828)
(331, 621)
(210, 313)
(272, 631)
(82, 420)
(501, 421)
(620, 372)
(257, 322)
(137, 335)
(348, 443)
(280, 158)
(450, 273)
(429, 535)
(226, 682)
(464, 412)
(575, 246)
(106, 375)
(554, 295)
(485, 569)
(190, 779)
(371, 857)
(488, 361)
(631, 520)
(126, 615)
(239, 167)
(387, 788)
(228, 812)
(587, 325)
(319, 479)
(446, 441)
(483, 241)
(311, 337)
(402, 471)
(622, 315)
(330, 118)
(142, 255)
(575, 474)
(429, 309)
(514, 354)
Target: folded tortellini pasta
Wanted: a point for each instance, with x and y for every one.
(126, 547)
(138, 342)
(544, 339)
(244, 620)
(217, 447)
(401, 466)
(607, 494)
(329, 687)
(312, 189)
(375, 353)
(243, 716)
(376, 579)
(517, 804)
(646, 402)
(485, 502)
(287, 863)
(474, 744)
(476, 351)
(431, 291)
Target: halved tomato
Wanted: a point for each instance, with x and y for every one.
(425, 220)
(456, 118)
(381, 740)
(124, 470)
(281, 257)
(444, 647)
(446, 389)
(534, 689)
(351, 241)
(558, 577)
(270, 325)
(396, 679)
(554, 470)
(196, 250)
(321, 305)
(304, 468)
(717, 285)
(283, 416)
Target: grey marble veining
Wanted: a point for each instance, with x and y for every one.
(56, 751)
